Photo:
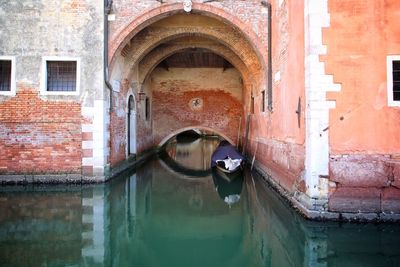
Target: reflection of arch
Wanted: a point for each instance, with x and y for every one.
(122, 38)
(208, 129)
(175, 167)
(131, 124)
(152, 59)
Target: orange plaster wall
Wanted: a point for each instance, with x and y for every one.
(361, 35)
(280, 141)
(288, 58)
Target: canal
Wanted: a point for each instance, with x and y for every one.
(173, 211)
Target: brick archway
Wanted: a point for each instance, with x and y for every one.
(168, 94)
(233, 41)
(121, 38)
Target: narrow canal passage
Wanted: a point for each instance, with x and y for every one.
(173, 211)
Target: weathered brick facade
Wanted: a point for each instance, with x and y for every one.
(174, 90)
(38, 135)
(43, 133)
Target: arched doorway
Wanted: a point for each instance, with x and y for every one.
(131, 126)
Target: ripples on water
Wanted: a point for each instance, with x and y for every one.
(173, 212)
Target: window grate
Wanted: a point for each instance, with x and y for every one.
(396, 80)
(5, 75)
(61, 76)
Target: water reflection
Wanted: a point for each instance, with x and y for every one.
(194, 153)
(157, 217)
(229, 189)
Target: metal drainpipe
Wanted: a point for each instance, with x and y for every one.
(107, 10)
(269, 58)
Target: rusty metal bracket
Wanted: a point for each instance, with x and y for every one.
(298, 112)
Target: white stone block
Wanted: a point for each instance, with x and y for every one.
(87, 112)
(87, 144)
(87, 161)
(87, 128)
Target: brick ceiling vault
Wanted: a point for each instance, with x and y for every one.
(157, 55)
(226, 43)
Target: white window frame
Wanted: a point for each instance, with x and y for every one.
(13, 86)
(43, 79)
(389, 71)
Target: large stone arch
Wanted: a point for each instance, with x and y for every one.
(134, 46)
(119, 40)
(159, 54)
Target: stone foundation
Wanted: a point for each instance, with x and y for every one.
(360, 204)
(364, 183)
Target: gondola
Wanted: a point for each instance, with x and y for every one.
(228, 160)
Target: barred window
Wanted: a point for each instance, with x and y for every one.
(61, 76)
(393, 80)
(5, 75)
(396, 79)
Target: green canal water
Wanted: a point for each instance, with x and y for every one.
(173, 211)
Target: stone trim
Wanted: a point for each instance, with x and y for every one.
(317, 83)
(87, 143)
(101, 133)
(94, 140)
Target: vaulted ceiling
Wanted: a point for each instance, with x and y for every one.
(195, 58)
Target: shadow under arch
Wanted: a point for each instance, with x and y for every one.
(164, 141)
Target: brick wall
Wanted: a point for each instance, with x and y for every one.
(219, 92)
(38, 136)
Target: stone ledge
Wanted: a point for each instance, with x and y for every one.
(355, 200)
(77, 178)
(391, 200)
